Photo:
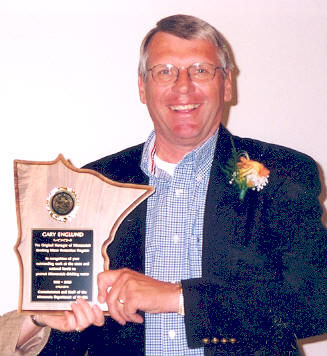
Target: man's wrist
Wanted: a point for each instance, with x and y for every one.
(181, 309)
(36, 322)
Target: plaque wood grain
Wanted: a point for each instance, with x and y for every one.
(102, 205)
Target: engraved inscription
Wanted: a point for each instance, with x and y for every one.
(62, 265)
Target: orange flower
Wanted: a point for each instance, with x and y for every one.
(252, 171)
(244, 173)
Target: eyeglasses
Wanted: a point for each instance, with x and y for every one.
(197, 72)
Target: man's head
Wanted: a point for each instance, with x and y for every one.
(184, 79)
(189, 28)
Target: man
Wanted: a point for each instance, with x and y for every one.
(207, 265)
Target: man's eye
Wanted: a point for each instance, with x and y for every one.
(202, 70)
(164, 72)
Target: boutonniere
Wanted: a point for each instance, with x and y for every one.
(245, 173)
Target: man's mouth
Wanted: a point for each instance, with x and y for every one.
(186, 107)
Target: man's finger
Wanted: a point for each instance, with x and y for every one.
(99, 316)
(105, 281)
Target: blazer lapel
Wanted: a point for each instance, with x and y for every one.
(225, 215)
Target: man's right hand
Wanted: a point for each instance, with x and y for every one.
(82, 316)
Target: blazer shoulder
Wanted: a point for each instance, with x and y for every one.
(123, 166)
(276, 155)
(280, 160)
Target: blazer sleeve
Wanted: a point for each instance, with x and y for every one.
(276, 289)
(10, 326)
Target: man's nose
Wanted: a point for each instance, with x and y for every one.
(183, 83)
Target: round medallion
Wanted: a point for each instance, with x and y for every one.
(62, 203)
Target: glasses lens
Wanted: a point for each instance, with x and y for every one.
(202, 72)
(164, 73)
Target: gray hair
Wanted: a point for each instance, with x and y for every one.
(187, 27)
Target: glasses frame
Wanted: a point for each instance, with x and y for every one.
(170, 66)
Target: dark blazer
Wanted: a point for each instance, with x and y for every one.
(263, 267)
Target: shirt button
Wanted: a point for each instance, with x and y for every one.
(178, 192)
(172, 334)
(198, 178)
(176, 239)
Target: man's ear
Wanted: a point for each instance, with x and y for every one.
(228, 86)
(141, 85)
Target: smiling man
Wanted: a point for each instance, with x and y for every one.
(184, 87)
(228, 256)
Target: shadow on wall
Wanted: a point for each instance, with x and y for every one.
(323, 195)
(233, 102)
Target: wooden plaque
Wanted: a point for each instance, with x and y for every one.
(66, 219)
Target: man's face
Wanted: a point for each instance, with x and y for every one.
(184, 113)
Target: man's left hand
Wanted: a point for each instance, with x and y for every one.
(126, 292)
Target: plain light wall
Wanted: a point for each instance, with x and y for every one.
(68, 83)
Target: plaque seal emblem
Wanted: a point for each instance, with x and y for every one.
(62, 204)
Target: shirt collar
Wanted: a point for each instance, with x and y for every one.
(201, 156)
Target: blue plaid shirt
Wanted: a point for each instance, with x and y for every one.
(173, 249)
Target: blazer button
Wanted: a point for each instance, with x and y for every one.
(215, 340)
(205, 341)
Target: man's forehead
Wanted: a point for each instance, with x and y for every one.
(164, 44)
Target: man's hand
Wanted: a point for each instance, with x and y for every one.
(81, 317)
(126, 292)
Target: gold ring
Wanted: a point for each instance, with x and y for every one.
(121, 301)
